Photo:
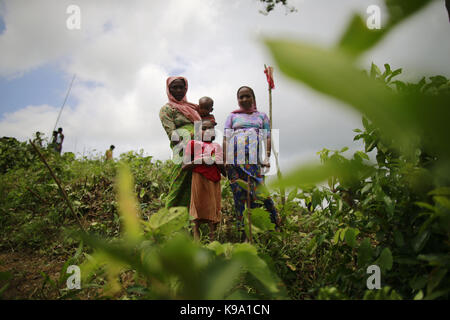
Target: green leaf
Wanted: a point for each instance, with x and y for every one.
(386, 293)
(398, 115)
(366, 188)
(222, 278)
(137, 289)
(398, 238)
(435, 259)
(244, 247)
(359, 38)
(365, 252)
(256, 266)
(435, 279)
(418, 282)
(220, 249)
(260, 219)
(425, 206)
(336, 236)
(374, 72)
(442, 191)
(350, 237)
(443, 201)
(364, 120)
(292, 195)
(170, 220)
(304, 175)
(420, 241)
(118, 252)
(311, 174)
(128, 204)
(362, 155)
(394, 74)
(342, 234)
(312, 246)
(385, 259)
(240, 295)
(333, 73)
(387, 70)
(419, 295)
(242, 184)
(437, 294)
(389, 204)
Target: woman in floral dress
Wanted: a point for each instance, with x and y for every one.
(249, 128)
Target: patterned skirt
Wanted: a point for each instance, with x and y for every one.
(245, 173)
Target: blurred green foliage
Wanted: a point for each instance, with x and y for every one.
(388, 204)
(385, 213)
(173, 266)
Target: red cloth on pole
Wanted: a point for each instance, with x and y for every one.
(269, 74)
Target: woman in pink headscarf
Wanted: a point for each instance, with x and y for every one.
(178, 115)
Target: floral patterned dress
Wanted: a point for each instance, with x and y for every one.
(247, 132)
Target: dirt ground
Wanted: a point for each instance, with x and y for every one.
(27, 282)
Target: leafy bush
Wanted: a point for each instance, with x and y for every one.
(170, 264)
(393, 211)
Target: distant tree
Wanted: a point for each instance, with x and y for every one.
(270, 5)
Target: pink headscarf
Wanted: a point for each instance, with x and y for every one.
(247, 111)
(185, 107)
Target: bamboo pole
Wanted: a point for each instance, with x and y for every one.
(32, 192)
(64, 103)
(270, 106)
(248, 211)
(36, 195)
(275, 153)
(63, 192)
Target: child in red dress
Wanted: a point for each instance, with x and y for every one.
(205, 159)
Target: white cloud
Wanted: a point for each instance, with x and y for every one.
(24, 122)
(130, 47)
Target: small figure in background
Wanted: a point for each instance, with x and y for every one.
(205, 107)
(38, 140)
(109, 153)
(59, 140)
(53, 143)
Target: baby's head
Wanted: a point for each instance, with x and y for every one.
(205, 106)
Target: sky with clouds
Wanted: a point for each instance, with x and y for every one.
(125, 50)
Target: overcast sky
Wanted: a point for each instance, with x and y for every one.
(125, 50)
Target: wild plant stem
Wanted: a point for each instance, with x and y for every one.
(63, 192)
